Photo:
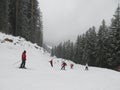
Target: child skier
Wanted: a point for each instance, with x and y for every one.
(86, 66)
(51, 62)
(63, 65)
(71, 66)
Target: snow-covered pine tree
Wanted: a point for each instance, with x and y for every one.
(67, 49)
(77, 45)
(101, 56)
(90, 46)
(39, 30)
(64, 50)
(72, 51)
(59, 51)
(114, 47)
(22, 18)
(4, 16)
(12, 16)
(83, 50)
(79, 50)
(52, 52)
(35, 23)
(22, 21)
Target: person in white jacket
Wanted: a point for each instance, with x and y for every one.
(86, 66)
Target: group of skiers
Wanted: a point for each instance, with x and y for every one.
(63, 65)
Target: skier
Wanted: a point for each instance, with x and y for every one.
(86, 66)
(63, 65)
(51, 62)
(118, 68)
(71, 66)
(23, 59)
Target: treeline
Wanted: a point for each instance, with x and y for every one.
(100, 48)
(22, 18)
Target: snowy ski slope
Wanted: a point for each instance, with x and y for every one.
(41, 76)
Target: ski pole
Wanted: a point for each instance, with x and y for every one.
(16, 62)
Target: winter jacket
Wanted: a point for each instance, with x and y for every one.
(71, 66)
(51, 62)
(64, 64)
(23, 56)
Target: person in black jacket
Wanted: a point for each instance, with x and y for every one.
(63, 65)
(51, 62)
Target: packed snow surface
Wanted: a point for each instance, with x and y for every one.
(41, 76)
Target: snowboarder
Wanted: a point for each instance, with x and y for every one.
(63, 65)
(86, 66)
(23, 59)
(71, 66)
(51, 62)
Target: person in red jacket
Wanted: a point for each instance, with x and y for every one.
(23, 59)
(71, 66)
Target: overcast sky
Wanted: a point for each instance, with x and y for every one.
(65, 19)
